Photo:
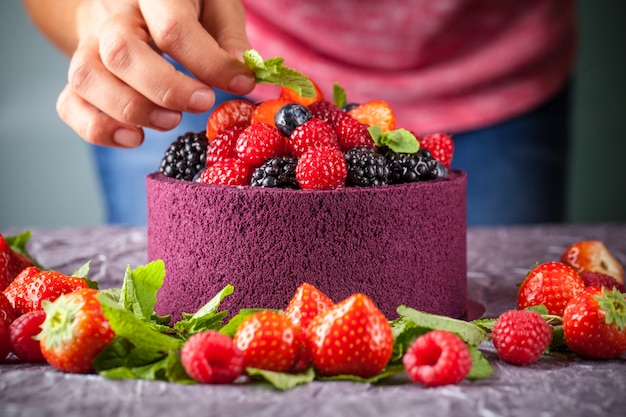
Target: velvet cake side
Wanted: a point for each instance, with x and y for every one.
(399, 244)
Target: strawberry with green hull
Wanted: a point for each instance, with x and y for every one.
(13, 257)
(594, 323)
(75, 331)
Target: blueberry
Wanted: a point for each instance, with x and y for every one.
(349, 106)
(291, 116)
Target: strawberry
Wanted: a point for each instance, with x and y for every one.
(593, 255)
(11, 262)
(22, 332)
(227, 114)
(7, 313)
(210, 357)
(328, 112)
(269, 340)
(437, 358)
(265, 112)
(258, 143)
(29, 291)
(75, 331)
(551, 284)
(440, 145)
(375, 113)
(288, 94)
(352, 133)
(598, 279)
(322, 168)
(230, 171)
(594, 323)
(310, 134)
(5, 342)
(351, 338)
(17, 284)
(306, 303)
(521, 336)
(223, 145)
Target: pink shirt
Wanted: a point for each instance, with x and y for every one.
(444, 65)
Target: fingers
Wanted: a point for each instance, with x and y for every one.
(177, 31)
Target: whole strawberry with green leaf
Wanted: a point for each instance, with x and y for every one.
(75, 331)
(594, 323)
(13, 257)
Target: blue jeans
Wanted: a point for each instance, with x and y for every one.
(517, 170)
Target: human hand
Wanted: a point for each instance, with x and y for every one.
(119, 81)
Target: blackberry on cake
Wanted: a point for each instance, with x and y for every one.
(366, 167)
(276, 173)
(290, 116)
(186, 156)
(411, 167)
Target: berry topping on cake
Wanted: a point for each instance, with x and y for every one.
(290, 116)
(289, 94)
(440, 145)
(276, 173)
(437, 358)
(186, 156)
(226, 172)
(223, 145)
(375, 113)
(227, 114)
(313, 133)
(352, 133)
(328, 112)
(366, 167)
(265, 112)
(411, 167)
(259, 142)
(322, 168)
(521, 336)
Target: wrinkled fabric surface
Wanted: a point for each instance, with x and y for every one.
(560, 384)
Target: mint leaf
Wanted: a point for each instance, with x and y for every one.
(469, 332)
(404, 333)
(82, 272)
(339, 96)
(140, 287)
(272, 71)
(281, 380)
(18, 244)
(481, 368)
(486, 324)
(207, 317)
(138, 332)
(399, 140)
(386, 373)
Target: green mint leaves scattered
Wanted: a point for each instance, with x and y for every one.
(339, 96)
(272, 71)
(399, 140)
(18, 244)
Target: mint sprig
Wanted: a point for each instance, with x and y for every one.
(399, 140)
(272, 71)
(339, 96)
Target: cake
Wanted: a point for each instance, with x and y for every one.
(399, 244)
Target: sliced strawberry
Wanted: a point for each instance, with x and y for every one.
(375, 113)
(352, 338)
(440, 145)
(265, 112)
(593, 256)
(269, 340)
(227, 114)
(293, 96)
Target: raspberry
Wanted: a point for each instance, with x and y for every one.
(21, 333)
(185, 157)
(276, 173)
(223, 144)
(226, 172)
(438, 358)
(521, 336)
(211, 357)
(366, 167)
(440, 145)
(323, 168)
(258, 143)
(598, 279)
(352, 133)
(328, 112)
(312, 133)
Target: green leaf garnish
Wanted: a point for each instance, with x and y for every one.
(399, 140)
(140, 287)
(207, 317)
(339, 96)
(230, 328)
(481, 368)
(82, 272)
(272, 71)
(386, 373)
(472, 334)
(18, 244)
(282, 380)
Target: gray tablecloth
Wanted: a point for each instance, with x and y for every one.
(558, 385)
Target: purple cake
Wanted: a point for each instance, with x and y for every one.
(399, 244)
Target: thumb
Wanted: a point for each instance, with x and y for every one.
(225, 20)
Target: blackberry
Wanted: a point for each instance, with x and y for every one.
(186, 156)
(290, 116)
(366, 167)
(276, 173)
(411, 167)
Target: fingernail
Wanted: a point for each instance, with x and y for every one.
(127, 138)
(201, 100)
(165, 119)
(241, 83)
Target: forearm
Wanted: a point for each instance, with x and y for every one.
(56, 20)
